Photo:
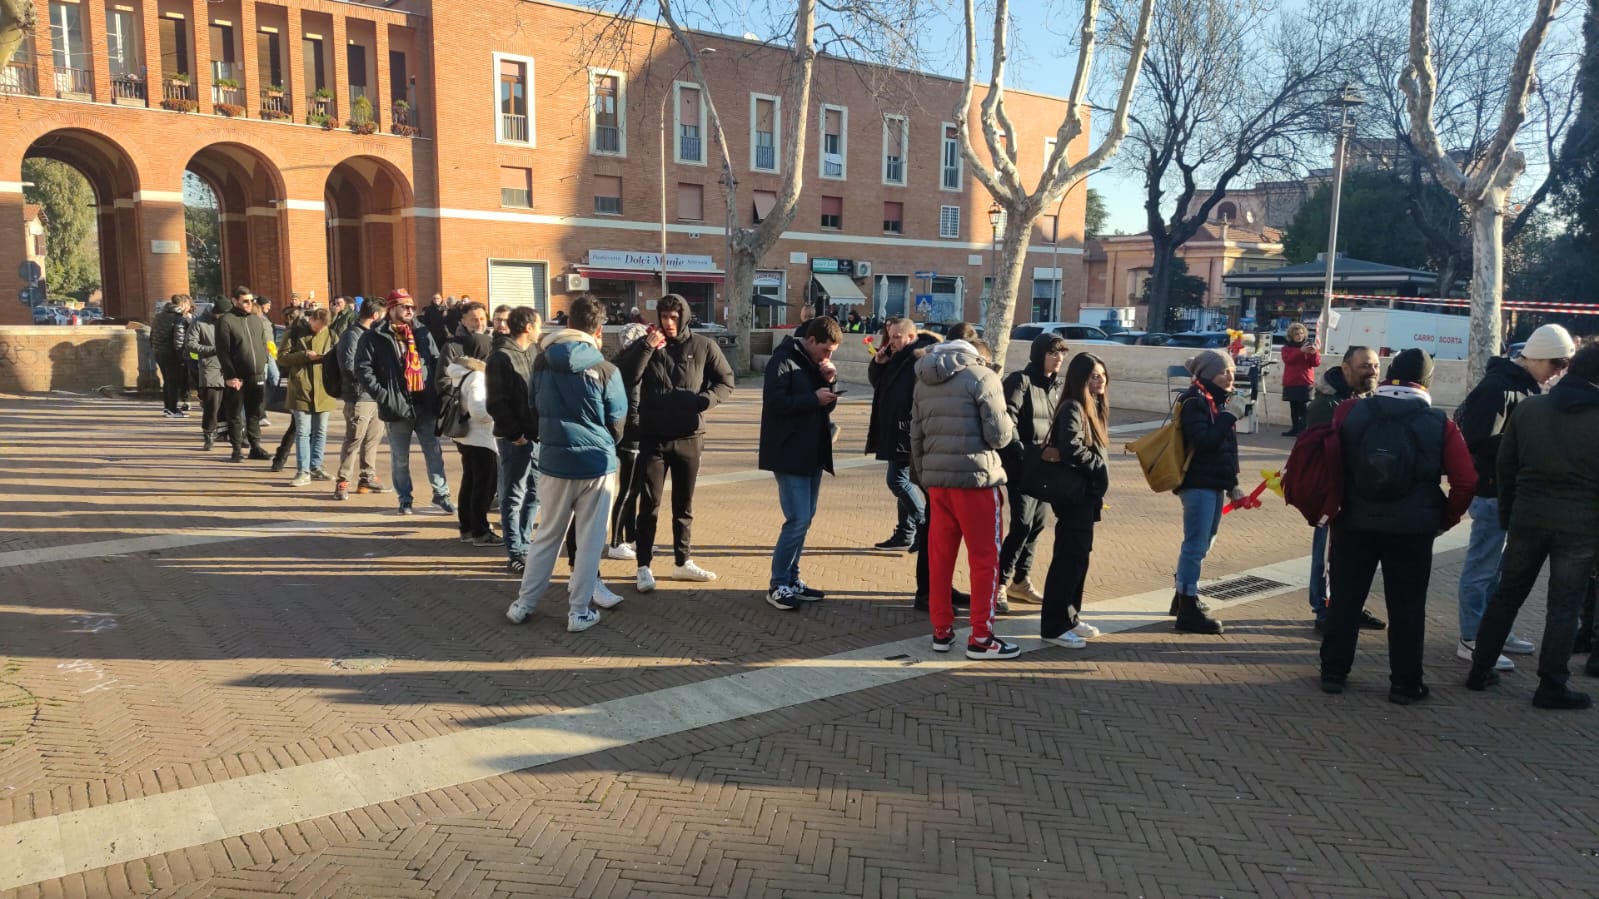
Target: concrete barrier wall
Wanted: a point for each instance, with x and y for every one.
(78, 360)
(1138, 375)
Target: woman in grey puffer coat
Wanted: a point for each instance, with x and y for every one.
(958, 425)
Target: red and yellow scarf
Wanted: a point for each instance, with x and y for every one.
(413, 359)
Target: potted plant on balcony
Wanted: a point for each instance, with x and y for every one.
(319, 118)
(179, 78)
(361, 117)
(228, 83)
(230, 110)
(275, 91)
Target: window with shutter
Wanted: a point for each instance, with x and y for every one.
(949, 221)
(833, 213)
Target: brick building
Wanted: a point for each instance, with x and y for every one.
(512, 156)
(1117, 266)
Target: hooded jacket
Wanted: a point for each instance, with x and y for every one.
(1331, 391)
(1548, 469)
(307, 390)
(203, 348)
(581, 404)
(509, 368)
(344, 353)
(1483, 414)
(1032, 396)
(958, 420)
(888, 431)
(1211, 435)
(241, 350)
(169, 333)
(380, 367)
(677, 384)
(796, 437)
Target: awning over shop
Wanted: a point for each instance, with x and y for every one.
(769, 302)
(634, 274)
(839, 289)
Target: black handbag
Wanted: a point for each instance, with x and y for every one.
(1050, 482)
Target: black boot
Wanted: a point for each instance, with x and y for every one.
(1191, 619)
(1481, 677)
(209, 443)
(1553, 695)
(1203, 606)
(257, 453)
(238, 455)
(280, 458)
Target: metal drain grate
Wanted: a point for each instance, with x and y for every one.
(1240, 587)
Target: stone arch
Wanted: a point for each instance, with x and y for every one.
(114, 178)
(371, 234)
(250, 195)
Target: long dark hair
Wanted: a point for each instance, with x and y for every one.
(1096, 409)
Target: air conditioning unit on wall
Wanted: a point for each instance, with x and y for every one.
(575, 283)
(863, 269)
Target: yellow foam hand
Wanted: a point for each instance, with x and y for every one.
(1274, 480)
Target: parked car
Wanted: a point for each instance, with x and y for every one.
(1073, 332)
(1128, 338)
(1200, 340)
(48, 315)
(1156, 338)
(942, 328)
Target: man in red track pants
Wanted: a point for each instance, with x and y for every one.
(958, 424)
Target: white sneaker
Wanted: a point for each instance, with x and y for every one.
(604, 598)
(1467, 647)
(646, 580)
(622, 551)
(688, 571)
(577, 622)
(1520, 645)
(1085, 630)
(518, 612)
(1069, 639)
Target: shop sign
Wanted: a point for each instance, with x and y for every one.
(675, 262)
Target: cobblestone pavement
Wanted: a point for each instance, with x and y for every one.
(171, 623)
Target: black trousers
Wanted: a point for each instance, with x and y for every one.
(656, 457)
(1296, 414)
(624, 510)
(1406, 561)
(1063, 586)
(174, 380)
(1027, 519)
(210, 409)
(243, 408)
(480, 477)
(1570, 558)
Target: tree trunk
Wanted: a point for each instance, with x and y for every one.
(740, 287)
(1487, 282)
(16, 20)
(1158, 317)
(1007, 282)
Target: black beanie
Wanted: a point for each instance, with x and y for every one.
(1412, 366)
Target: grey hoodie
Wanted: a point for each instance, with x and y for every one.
(958, 420)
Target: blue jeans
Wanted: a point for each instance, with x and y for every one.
(1479, 574)
(310, 439)
(908, 498)
(797, 494)
(519, 494)
(1318, 572)
(400, 457)
(1201, 520)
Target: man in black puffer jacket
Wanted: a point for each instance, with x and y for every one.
(169, 341)
(242, 355)
(1031, 396)
(680, 376)
(888, 431)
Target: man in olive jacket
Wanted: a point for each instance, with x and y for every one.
(958, 427)
(1548, 473)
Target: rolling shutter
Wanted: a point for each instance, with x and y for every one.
(519, 284)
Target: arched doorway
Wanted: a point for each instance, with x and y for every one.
(102, 232)
(371, 240)
(241, 191)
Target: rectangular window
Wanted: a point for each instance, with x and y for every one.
(835, 128)
(691, 202)
(400, 85)
(607, 106)
(1044, 229)
(765, 202)
(514, 119)
(68, 52)
(950, 178)
(949, 221)
(765, 127)
(123, 41)
(224, 59)
(607, 194)
(833, 213)
(269, 61)
(516, 187)
(1044, 299)
(896, 133)
(893, 218)
(314, 64)
(689, 147)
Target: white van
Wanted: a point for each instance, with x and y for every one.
(1390, 330)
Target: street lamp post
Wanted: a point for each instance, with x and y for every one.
(995, 213)
(667, 95)
(1342, 107)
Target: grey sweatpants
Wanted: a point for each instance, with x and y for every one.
(560, 500)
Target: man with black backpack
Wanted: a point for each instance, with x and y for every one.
(1031, 396)
(363, 431)
(1396, 447)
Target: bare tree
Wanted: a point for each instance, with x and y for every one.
(16, 23)
(1211, 115)
(1484, 185)
(998, 172)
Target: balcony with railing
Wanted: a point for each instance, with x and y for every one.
(688, 148)
(17, 79)
(178, 96)
(832, 165)
(766, 157)
(513, 127)
(74, 82)
(227, 97)
(894, 169)
(405, 119)
(607, 139)
(128, 90)
(275, 105)
(321, 110)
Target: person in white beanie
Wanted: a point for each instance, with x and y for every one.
(1482, 420)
